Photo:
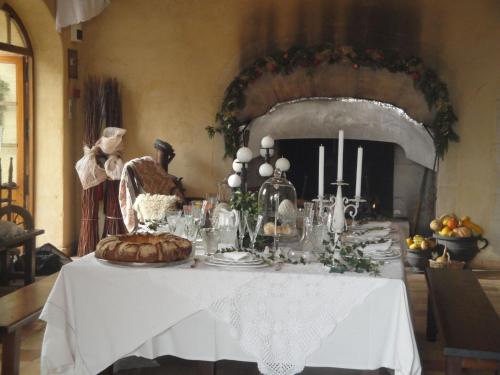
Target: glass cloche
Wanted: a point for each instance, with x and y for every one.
(278, 205)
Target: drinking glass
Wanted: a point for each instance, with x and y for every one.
(307, 217)
(227, 223)
(315, 233)
(191, 228)
(172, 220)
(187, 209)
(211, 238)
(253, 222)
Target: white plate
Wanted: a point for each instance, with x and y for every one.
(145, 264)
(394, 254)
(234, 265)
(220, 260)
(223, 258)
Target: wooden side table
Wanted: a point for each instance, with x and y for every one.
(28, 241)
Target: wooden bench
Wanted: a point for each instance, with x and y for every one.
(467, 321)
(16, 310)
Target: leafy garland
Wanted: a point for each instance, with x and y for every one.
(348, 258)
(284, 63)
(244, 201)
(337, 257)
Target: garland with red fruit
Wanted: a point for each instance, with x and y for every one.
(285, 62)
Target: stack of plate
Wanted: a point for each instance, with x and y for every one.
(382, 251)
(235, 259)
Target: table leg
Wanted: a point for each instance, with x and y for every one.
(4, 272)
(431, 321)
(29, 261)
(453, 365)
(10, 353)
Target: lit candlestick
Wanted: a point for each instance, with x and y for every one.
(359, 170)
(340, 158)
(321, 172)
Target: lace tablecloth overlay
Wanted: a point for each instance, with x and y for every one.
(279, 318)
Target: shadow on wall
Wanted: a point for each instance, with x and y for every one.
(386, 24)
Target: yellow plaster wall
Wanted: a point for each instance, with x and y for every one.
(53, 195)
(175, 58)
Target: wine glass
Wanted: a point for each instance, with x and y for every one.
(191, 228)
(253, 222)
(240, 217)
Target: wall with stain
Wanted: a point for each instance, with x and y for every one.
(175, 58)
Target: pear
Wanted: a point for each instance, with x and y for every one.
(436, 225)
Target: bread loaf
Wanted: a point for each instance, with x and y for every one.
(144, 248)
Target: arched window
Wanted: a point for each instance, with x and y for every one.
(16, 56)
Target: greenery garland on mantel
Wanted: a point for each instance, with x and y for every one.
(284, 63)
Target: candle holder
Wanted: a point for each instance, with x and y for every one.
(337, 223)
(352, 209)
(243, 174)
(267, 153)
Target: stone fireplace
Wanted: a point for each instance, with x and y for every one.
(399, 157)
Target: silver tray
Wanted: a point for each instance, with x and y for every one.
(145, 264)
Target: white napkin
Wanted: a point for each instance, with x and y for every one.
(236, 256)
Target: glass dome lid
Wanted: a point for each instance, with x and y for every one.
(278, 205)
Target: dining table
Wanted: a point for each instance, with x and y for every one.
(284, 318)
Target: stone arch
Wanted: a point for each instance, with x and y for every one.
(362, 119)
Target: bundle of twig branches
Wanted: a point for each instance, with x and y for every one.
(113, 221)
(94, 114)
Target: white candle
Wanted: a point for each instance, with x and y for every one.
(359, 170)
(340, 158)
(321, 171)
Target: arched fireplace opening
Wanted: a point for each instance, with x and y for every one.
(399, 156)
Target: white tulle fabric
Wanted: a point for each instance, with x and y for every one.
(111, 145)
(279, 318)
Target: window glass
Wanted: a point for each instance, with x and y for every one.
(8, 119)
(16, 37)
(3, 26)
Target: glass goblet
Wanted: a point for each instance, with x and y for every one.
(253, 222)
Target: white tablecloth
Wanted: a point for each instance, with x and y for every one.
(299, 316)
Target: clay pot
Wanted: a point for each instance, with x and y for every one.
(462, 248)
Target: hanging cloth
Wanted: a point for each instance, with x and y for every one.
(72, 12)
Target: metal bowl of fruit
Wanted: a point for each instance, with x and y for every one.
(419, 251)
(461, 237)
